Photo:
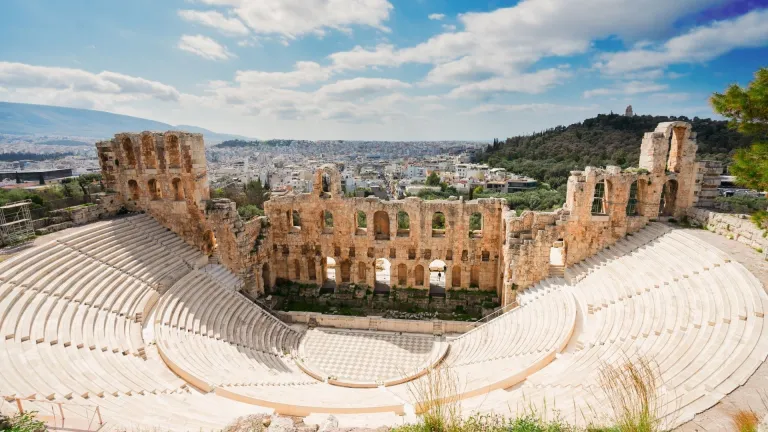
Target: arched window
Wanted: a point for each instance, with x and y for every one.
(154, 189)
(326, 181)
(173, 150)
(361, 272)
(148, 152)
(178, 189)
(311, 272)
(632, 201)
(130, 157)
(438, 224)
(456, 276)
(295, 219)
(668, 198)
(476, 225)
(327, 221)
(361, 223)
(133, 189)
(346, 268)
(474, 276)
(675, 159)
(418, 275)
(598, 200)
(403, 224)
(381, 225)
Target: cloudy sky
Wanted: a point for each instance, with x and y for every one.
(378, 69)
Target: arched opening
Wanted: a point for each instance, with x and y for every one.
(632, 200)
(598, 199)
(361, 272)
(403, 224)
(382, 268)
(381, 225)
(438, 224)
(326, 221)
(346, 268)
(173, 150)
(418, 275)
(675, 159)
(311, 271)
(329, 282)
(178, 189)
(296, 270)
(266, 277)
(148, 151)
(437, 278)
(154, 189)
(476, 225)
(130, 157)
(295, 219)
(361, 223)
(668, 198)
(402, 275)
(456, 276)
(326, 185)
(474, 276)
(133, 189)
(557, 255)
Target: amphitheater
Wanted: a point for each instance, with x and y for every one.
(146, 320)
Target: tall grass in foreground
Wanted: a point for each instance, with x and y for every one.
(632, 390)
(437, 396)
(745, 421)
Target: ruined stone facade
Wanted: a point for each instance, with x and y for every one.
(481, 244)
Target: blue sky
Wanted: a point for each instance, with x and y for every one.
(378, 69)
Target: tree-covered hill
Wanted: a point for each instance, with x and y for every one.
(608, 139)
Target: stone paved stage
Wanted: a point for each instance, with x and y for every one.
(361, 357)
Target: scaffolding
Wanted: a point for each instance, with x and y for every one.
(16, 223)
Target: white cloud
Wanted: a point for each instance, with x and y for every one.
(536, 107)
(204, 47)
(228, 26)
(72, 81)
(700, 44)
(449, 27)
(627, 88)
(436, 16)
(304, 73)
(295, 18)
(531, 83)
(356, 88)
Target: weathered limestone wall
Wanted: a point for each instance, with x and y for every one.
(163, 174)
(734, 226)
(301, 247)
(377, 323)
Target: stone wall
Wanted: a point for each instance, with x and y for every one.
(734, 226)
(303, 235)
(377, 323)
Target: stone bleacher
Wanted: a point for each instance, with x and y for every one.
(125, 316)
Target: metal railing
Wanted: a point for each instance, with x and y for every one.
(60, 405)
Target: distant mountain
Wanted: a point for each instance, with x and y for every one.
(27, 119)
(612, 139)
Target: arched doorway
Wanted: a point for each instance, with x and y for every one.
(668, 198)
(437, 277)
(329, 276)
(266, 278)
(382, 268)
(381, 225)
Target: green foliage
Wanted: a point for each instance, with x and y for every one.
(747, 111)
(403, 221)
(438, 221)
(433, 179)
(476, 222)
(362, 220)
(328, 219)
(443, 193)
(760, 218)
(744, 204)
(256, 194)
(541, 198)
(249, 211)
(608, 139)
(26, 422)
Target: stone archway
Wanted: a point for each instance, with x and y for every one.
(437, 278)
(668, 198)
(382, 269)
(381, 225)
(329, 276)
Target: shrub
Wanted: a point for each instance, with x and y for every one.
(26, 422)
(742, 203)
(745, 421)
(632, 390)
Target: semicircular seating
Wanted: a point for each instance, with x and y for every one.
(686, 307)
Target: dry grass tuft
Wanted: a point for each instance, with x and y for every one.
(745, 421)
(437, 393)
(632, 388)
